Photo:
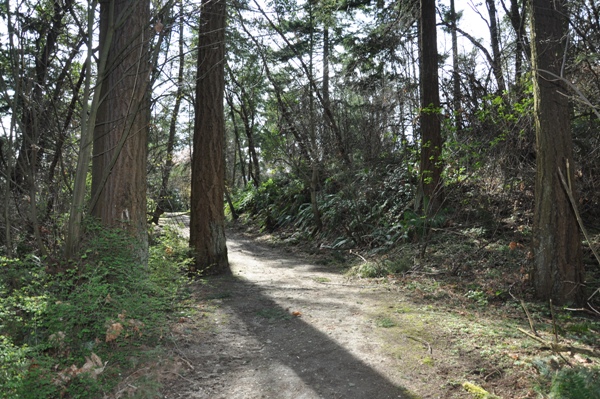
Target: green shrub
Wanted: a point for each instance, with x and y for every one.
(575, 383)
(13, 366)
(57, 319)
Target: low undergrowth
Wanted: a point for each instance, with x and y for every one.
(71, 330)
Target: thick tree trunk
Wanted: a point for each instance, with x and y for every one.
(430, 183)
(207, 225)
(120, 135)
(558, 270)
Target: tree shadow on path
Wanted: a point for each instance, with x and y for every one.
(293, 359)
(294, 346)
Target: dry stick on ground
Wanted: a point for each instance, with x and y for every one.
(555, 347)
(554, 323)
(529, 319)
(422, 341)
(359, 255)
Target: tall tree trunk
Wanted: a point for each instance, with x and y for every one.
(517, 15)
(238, 143)
(495, 42)
(558, 271)
(247, 115)
(121, 131)
(86, 137)
(456, 103)
(207, 225)
(163, 196)
(430, 190)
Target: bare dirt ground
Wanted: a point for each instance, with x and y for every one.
(282, 327)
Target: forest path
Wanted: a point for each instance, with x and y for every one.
(280, 327)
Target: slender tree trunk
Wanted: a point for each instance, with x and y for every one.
(430, 190)
(238, 144)
(495, 42)
(456, 103)
(207, 225)
(86, 137)
(254, 165)
(333, 124)
(163, 196)
(326, 99)
(120, 134)
(558, 272)
(35, 113)
(247, 116)
(518, 15)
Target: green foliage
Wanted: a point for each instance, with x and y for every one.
(367, 207)
(385, 267)
(567, 383)
(13, 366)
(274, 203)
(385, 322)
(575, 383)
(55, 316)
(478, 296)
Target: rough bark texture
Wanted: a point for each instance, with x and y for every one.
(120, 135)
(207, 224)
(558, 269)
(430, 185)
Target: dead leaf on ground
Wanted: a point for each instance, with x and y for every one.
(113, 331)
(93, 366)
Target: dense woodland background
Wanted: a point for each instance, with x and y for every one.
(326, 133)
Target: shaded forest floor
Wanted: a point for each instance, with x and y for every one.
(292, 322)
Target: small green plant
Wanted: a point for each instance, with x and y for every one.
(369, 270)
(385, 322)
(477, 296)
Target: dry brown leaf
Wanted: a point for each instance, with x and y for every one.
(113, 331)
(93, 366)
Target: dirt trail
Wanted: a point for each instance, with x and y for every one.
(282, 328)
